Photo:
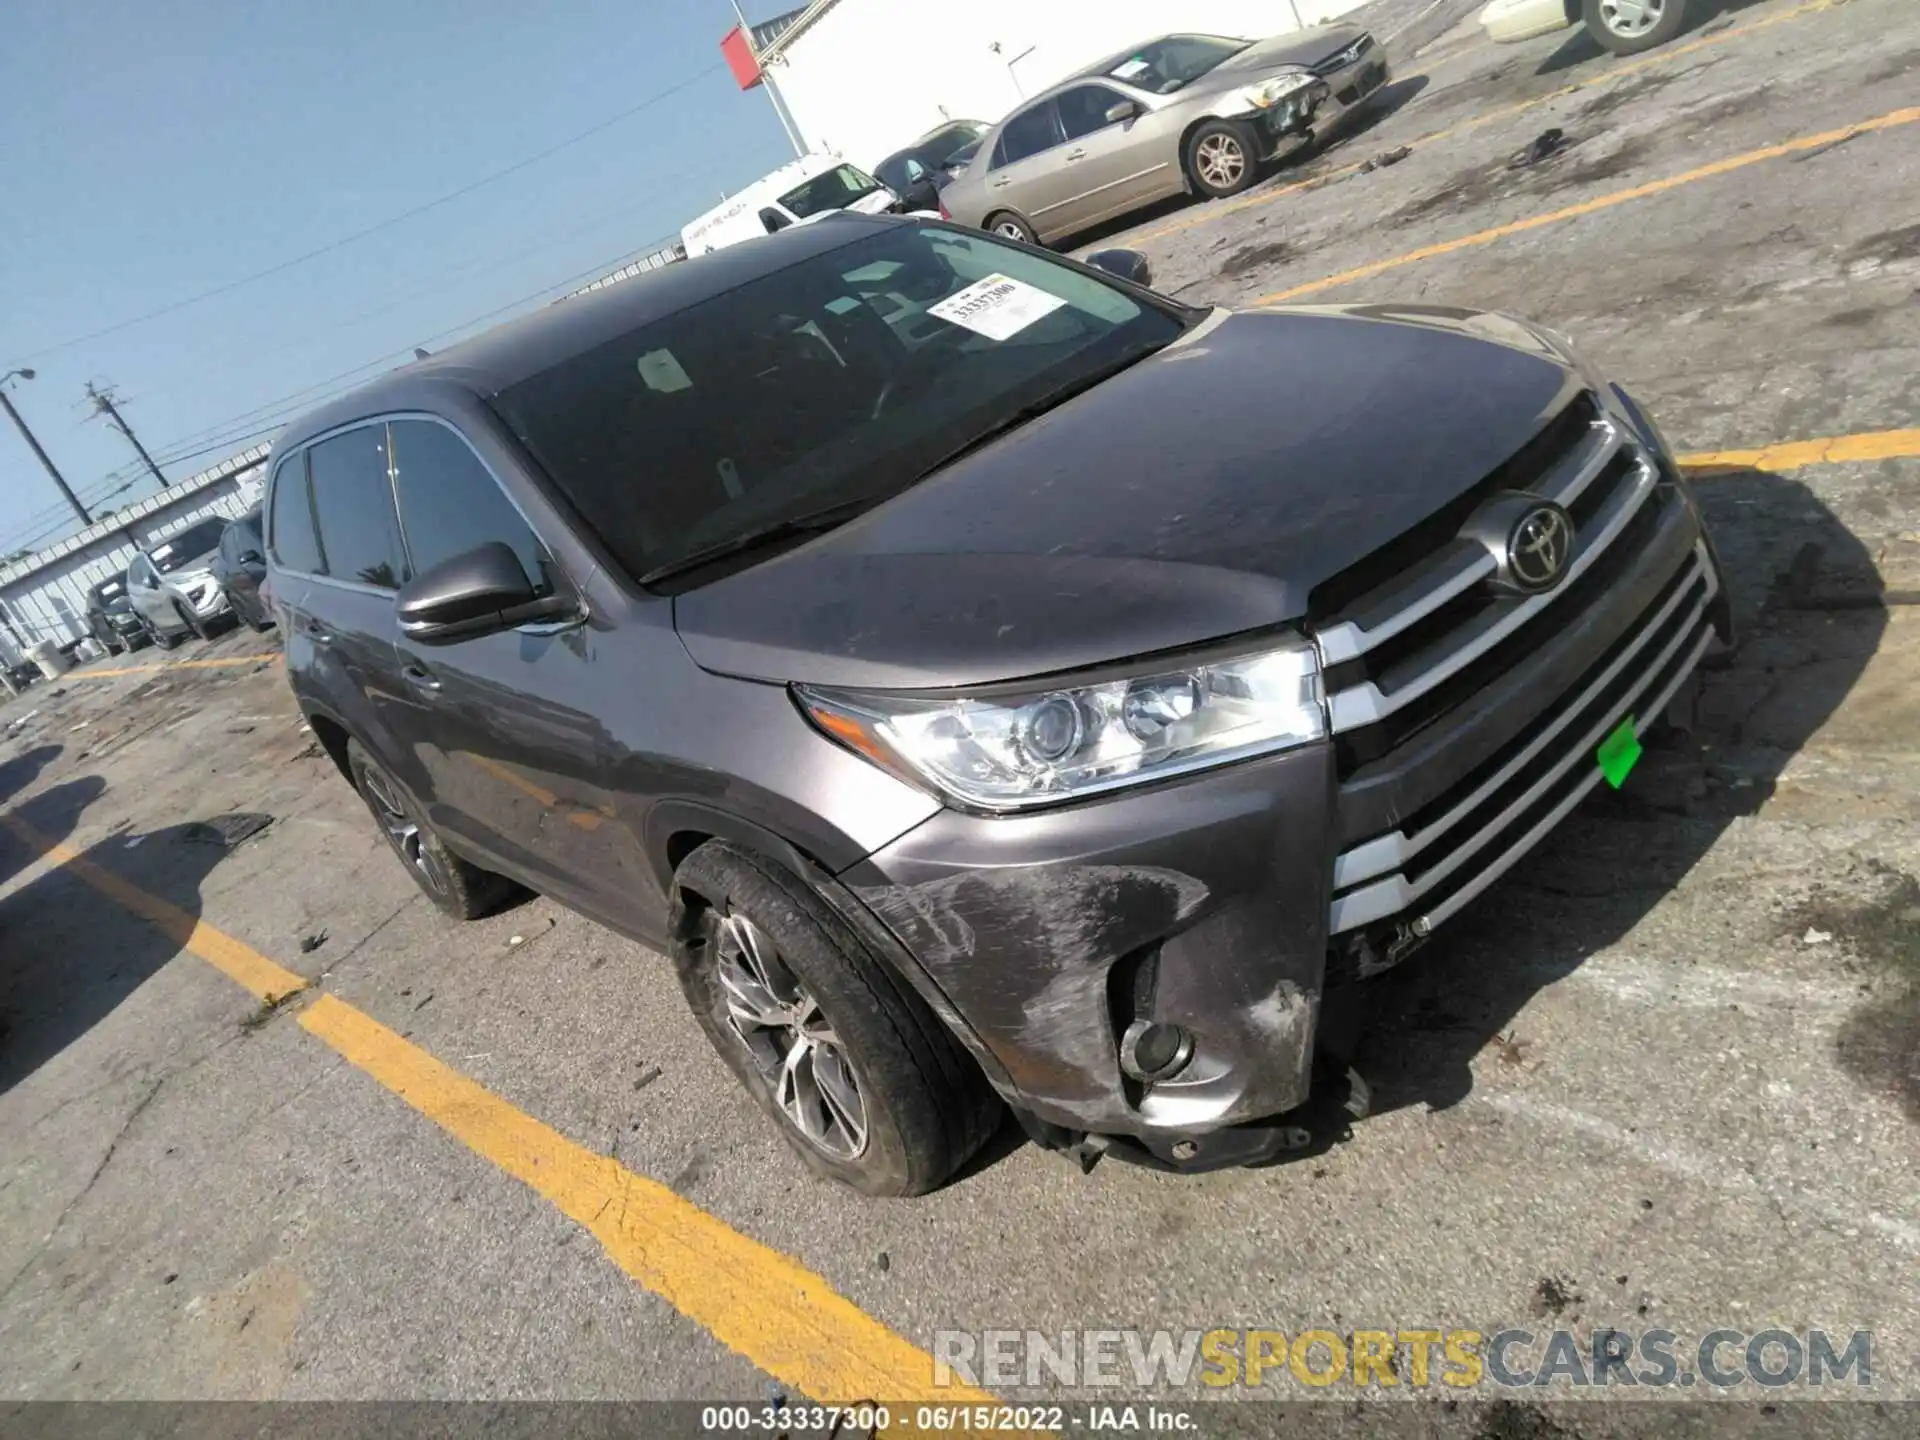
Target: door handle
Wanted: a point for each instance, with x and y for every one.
(1073, 155)
(419, 677)
(317, 633)
(1001, 183)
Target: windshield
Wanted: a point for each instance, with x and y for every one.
(188, 546)
(835, 190)
(1163, 66)
(840, 379)
(944, 146)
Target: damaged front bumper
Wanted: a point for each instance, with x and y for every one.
(1325, 108)
(1200, 904)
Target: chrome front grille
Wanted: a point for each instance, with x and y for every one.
(1415, 642)
(1343, 58)
(1459, 844)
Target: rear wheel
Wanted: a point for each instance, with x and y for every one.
(1222, 158)
(1010, 226)
(862, 1079)
(462, 890)
(1627, 27)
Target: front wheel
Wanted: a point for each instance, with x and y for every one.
(195, 625)
(458, 888)
(1222, 158)
(162, 639)
(860, 1076)
(1009, 226)
(1626, 27)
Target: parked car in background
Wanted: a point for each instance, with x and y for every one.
(240, 566)
(1625, 27)
(111, 618)
(1012, 681)
(1197, 113)
(172, 587)
(917, 173)
(798, 192)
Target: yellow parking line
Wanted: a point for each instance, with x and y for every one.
(1795, 454)
(1732, 163)
(757, 1302)
(215, 663)
(1617, 71)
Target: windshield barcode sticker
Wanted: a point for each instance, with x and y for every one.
(996, 307)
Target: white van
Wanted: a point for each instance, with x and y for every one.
(799, 191)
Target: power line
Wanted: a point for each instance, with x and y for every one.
(386, 224)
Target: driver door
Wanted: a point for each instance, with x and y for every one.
(1113, 164)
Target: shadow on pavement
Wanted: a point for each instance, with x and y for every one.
(1579, 47)
(68, 954)
(1809, 616)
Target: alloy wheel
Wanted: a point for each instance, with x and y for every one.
(1012, 229)
(1630, 19)
(402, 831)
(791, 1041)
(1221, 160)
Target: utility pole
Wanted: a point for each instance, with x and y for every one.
(103, 405)
(766, 83)
(45, 459)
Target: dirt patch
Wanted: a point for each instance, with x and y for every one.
(1608, 101)
(1904, 63)
(1560, 169)
(1255, 257)
(1852, 319)
(1888, 247)
(1554, 1294)
(1879, 1045)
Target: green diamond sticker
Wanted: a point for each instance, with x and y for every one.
(1618, 752)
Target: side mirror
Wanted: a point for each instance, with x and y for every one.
(476, 592)
(1127, 264)
(1121, 110)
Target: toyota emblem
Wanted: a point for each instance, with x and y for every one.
(1539, 546)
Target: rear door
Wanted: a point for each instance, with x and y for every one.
(500, 722)
(342, 630)
(1112, 164)
(1026, 171)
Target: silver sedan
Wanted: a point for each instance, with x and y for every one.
(1181, 113)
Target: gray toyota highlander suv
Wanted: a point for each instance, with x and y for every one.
(988, 680)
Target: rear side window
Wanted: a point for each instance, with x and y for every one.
(1083, 109)
(295, 546)
(353, 502)
(450, 502)
(1028, 133)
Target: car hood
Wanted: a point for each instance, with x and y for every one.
(1202, 493)
(1300, 48)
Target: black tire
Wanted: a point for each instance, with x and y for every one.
(1210, 166)
(925, 1105)
(1671, 21)
(195, 625)
(162, 639)
(460, 889)
(1009, 226)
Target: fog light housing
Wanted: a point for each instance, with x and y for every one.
(1152, 1050)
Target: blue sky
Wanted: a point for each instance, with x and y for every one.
(152, 152)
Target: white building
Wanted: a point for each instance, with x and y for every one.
(862, 78)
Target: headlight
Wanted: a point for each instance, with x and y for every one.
(1269, 93)
(1007, 748)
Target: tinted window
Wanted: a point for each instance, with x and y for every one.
(837, 380)
(772, 220)
(193, 543)
(1165, 65)
(294, 544)
(353, 499)
(450, 502)
(107, 591)
(1083, 109)
(1028, 133)
(892, 172)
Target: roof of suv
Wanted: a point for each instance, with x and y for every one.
(509, 353)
